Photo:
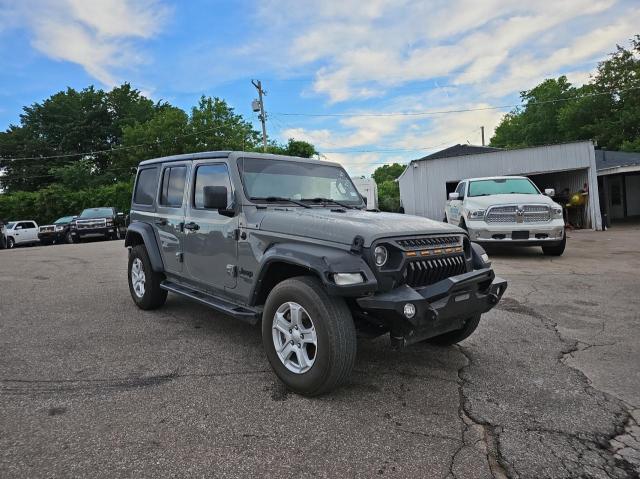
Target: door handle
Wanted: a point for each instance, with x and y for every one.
(191, 226)
(161, 222)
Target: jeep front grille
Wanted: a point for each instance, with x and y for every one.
(429, 271)
(430, 242)
(518, 214)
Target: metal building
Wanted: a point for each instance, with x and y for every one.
(426, 182)
(619, 184)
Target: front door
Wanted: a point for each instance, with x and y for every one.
(210, 244)
(171, 214)
(454, 206)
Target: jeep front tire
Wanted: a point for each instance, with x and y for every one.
(309, 337)
(144, 283)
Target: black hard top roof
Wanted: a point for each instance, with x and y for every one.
(231, 154)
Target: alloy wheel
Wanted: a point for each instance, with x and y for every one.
(294, 337)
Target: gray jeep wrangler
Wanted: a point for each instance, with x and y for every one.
(287, 242)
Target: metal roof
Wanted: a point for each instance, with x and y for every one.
(459, 150)
(614, 159)
(232, 155)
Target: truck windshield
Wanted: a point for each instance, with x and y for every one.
(63, 220)
(502, 186)
(295, 180)
(96, 213)
(9, 225)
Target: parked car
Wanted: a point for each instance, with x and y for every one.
(3, 235)
(21, 232)
(58, 232)
(287, 241)
(508, 210)
(104, 222)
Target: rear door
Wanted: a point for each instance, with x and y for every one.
(210, 244)
(170, 213)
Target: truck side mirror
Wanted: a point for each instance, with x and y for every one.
(215, 197)
(550, 192)
(454, 196)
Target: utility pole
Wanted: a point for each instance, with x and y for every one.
(482, 132)
(258, 105)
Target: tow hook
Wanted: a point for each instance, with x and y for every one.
(494, 298)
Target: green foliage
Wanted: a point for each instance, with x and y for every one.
(606, 110)
(388, 188)
(293, 147)
(54, 201)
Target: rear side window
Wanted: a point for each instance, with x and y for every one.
(145, 186)
(211, 175)
(172, 191)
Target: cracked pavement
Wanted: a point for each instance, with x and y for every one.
(548, 386)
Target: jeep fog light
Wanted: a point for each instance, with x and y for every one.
(345, 279)
(409, 310)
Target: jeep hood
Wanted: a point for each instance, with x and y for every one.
(343, 227)
(484, 202)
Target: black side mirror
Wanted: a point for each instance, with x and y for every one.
(215, 197)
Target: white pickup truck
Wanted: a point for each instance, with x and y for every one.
(508, 210)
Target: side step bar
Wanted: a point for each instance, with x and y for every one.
(244, 313)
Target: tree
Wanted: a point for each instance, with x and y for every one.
(388, 188)
(293, 147)
(607, 109)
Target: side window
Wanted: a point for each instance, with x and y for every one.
(172, 190)
(211, 175)
(460, 190)
(145, 186)
(30, 225)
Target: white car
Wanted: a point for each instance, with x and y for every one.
(508, 209)
(21, 232)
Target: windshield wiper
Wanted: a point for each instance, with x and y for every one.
(272, 199)
(328, 200)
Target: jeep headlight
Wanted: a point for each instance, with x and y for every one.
(380, 255)
(557, 212)
(476, 214)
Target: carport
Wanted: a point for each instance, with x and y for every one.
(619, 185)
(565, 167)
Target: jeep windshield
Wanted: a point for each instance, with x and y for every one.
(296, 180)
(502, 186)
(96, 213)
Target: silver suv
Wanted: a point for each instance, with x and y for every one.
(286, 242)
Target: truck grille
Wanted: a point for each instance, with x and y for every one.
(518, 214)
(90, 224)
(429, 271)
(46, 229)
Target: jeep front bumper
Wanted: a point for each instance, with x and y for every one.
(439, 308)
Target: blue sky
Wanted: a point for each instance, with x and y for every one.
(315, 57)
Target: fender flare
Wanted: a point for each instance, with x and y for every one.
(476, 256)
(323, 261)
(145, 231)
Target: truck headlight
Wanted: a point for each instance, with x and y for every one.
(346, 279)
(557, 212)
(476, 215)
(380, 255)
(59, 228)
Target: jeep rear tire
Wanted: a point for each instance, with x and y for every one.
(557, 249)
(322, 360)
(144, 283)
(453, 337)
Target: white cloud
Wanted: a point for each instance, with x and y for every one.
(97, 35)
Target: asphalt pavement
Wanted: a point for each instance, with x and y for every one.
(548, 386)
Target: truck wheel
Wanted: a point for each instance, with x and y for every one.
(555, 250)
(144, 283)
(308, 336)
(68, 238)
(453, 337)
(11, 243)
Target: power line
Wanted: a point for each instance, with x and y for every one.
(110, 150)
(460, 110)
